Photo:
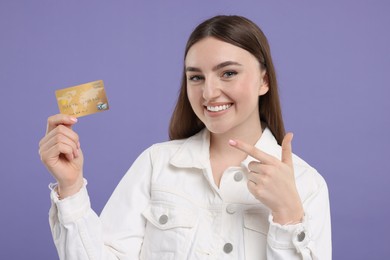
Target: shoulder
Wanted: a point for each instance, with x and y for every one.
(308, 180)
(189, 143)
(157, 155)
(303, 171)
(167, 148)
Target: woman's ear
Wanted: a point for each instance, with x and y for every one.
(264, 87)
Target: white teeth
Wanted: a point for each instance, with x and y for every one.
(218, 108)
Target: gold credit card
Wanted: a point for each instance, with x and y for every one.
(83, 99)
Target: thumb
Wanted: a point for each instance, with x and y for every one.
(287, 149)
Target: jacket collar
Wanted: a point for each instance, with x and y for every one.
(195, 152)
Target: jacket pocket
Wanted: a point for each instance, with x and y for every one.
(169, 231)
(166, 216)
(257, 221)
(256, 227)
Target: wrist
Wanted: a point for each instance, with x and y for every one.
(288, 217)
(67, 190)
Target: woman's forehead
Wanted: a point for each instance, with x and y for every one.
(211, 51)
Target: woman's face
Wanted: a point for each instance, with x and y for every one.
(224, 83)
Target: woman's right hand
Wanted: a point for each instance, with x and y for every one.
(61, 154)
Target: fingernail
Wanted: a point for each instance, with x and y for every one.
(78, 145)
(76, 153)
(73, 119)
(232, 142)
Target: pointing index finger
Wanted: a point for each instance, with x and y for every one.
(252, 151)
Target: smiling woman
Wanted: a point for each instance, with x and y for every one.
(244, 34)
(224, 83)
(226, 186)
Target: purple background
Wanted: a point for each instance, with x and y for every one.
(331, 60)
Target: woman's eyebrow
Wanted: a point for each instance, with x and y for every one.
(224, 64)
(215, 68)
(188, 69)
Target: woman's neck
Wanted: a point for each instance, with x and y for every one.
(223, 156)
(220, 148)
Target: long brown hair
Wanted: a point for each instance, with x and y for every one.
(245, 34)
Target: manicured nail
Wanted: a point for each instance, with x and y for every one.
(73, 119)
(78, 145)
(232, 142)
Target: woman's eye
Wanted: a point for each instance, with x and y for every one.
(229, 74)
(195, 78)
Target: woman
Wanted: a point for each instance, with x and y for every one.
(222, 188)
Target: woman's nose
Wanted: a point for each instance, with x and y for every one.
(211, 89)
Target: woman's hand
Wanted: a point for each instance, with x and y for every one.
(61, 154)
(272, 181)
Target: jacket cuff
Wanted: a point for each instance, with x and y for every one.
(73, 207)
(296, 236)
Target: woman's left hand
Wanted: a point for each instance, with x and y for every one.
(272, 181)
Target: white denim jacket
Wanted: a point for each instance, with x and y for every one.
(167, 206)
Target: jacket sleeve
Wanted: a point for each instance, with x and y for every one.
(310, 239)
(78, 233)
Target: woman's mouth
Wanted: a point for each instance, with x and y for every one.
(218, 108)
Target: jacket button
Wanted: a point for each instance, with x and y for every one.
(301, 236)
(227, 248)
(231, 209)
(163, 219)
(238, 176)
